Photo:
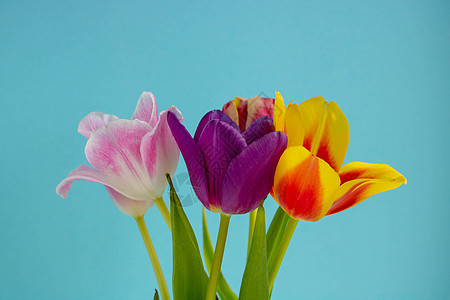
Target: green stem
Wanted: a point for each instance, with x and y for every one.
(163, 210)
(153, 258)
(218, 256)
(251, 227)
(278, 258)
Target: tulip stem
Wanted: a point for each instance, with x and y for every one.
(153, 258)
(251, 227)
(161, 205)
(218, 256)
(279, 255)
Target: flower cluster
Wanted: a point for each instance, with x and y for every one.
(236, 157)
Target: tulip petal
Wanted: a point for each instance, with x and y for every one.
(278, 112)
(146, 109)
(230, 108)
(213, 115)
(94, 121)
(130, 207)
(250, 174)
(114, 150)
(242, 112)
(160, 152)
(219, 143)
(311, 112)
(192, 156)
(326, 130)
(83, 172)
(258, 128)
(303, 184)
(293, 125)
(258, 107)
(361, 181)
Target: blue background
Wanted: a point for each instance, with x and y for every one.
(386, 63)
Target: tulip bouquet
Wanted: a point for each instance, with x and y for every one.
(237, 156)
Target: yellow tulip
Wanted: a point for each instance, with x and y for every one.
(309, 180)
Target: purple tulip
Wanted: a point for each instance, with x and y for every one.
(230, 171)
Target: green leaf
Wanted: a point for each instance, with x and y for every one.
(275, 234)
(156, 296)
(224, 290)
(255, 282)
(189, 279)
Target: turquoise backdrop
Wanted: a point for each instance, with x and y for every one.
(386, 63)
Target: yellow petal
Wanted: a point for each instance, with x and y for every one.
(362, 180)
(303, 184)
(312, 111)
(278, 112)
(326, 130)
(293, 125)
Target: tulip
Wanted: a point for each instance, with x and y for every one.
(230, 171)
(244, 111)
(309, 181)
(130, 158)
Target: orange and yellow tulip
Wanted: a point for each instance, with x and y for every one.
(309, 180)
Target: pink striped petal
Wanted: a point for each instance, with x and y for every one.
(258, 107)
(114, 150)
(160, 152)
(83, 172)
(130, 207)
(94, 121)
(146, 109)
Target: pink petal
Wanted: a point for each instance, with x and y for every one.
(83, 172)
(94, 121)
(132, 208)
(146, 109)
(114, 150)
(160, 152)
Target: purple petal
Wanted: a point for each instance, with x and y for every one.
(250, 174)
(146, 109)
(212, 115)
(192, 156)
(219, 143)
(258, 128)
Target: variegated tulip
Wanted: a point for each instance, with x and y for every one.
(309, 181)
(244, 111)
(130, 157)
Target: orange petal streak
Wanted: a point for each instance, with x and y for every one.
(326, 130)
(361, 181)
(303, 184)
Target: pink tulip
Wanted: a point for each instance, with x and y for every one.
(130, 157)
